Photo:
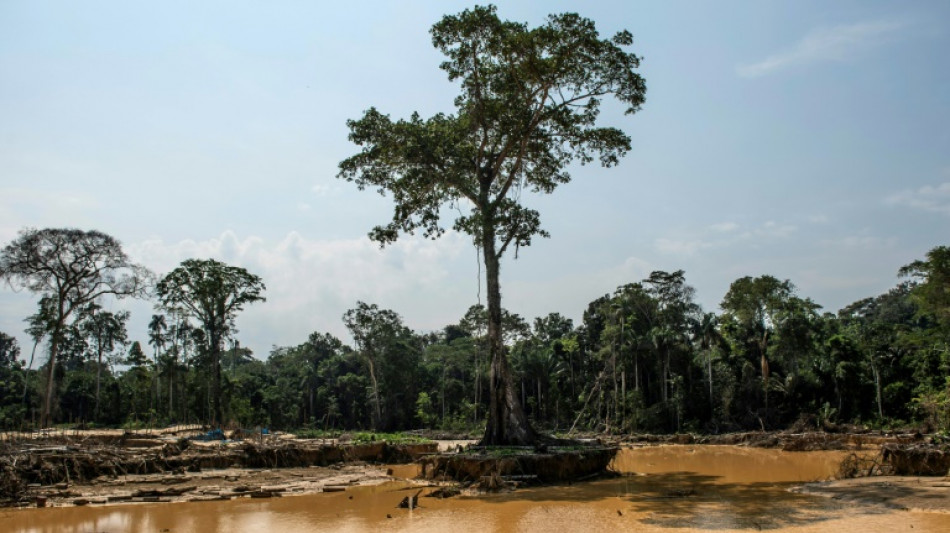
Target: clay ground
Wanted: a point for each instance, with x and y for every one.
(215, 485)
(895, 492)
(928, 494)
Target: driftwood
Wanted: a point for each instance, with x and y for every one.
(917, 459)
(898, 460)
(410, 502)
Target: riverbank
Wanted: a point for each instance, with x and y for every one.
(658, 488)
(110, 466)
(99, 467)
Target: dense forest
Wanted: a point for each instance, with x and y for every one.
(645, 358)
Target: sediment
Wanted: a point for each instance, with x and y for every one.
(65, 462)
(492, 466)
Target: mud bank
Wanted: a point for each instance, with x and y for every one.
(788, 441)
(663, 488)
(492, 467)
(63, 468)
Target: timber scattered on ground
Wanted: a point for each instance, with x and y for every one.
(79, 467)
(184, 464)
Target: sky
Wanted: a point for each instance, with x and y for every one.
(807, 140)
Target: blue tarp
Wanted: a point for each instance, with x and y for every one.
(214, 434)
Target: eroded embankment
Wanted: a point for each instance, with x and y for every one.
(65, 462)
(491, 467)
(786, 440)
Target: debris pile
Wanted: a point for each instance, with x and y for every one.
(54, 464)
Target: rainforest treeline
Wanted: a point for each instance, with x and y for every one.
(645, 358)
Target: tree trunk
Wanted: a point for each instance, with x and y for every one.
(666, 375)
(51, 373)
(507, 423)
(377, 410)
(765, 382)
(765, 371)
(478, 381)
(217, 412)
(540, 415)
(157, 382)
(636, 370)
(171, 390)
(26, 375)
(877, 386)
(623, 399)
(98, 379)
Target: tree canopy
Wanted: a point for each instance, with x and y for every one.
(69, 268)
(528, 106)
(213, 293)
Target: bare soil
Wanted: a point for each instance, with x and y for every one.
(909, 493)
(97, 467)
(114, 466)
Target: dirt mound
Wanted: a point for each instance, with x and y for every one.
(497, 465)
(26, 464)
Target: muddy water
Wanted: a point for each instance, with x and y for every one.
(669, 487)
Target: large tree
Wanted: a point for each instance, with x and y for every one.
(764, 309)
(213, 293)
(384, 343)
(930, 284)
(528, 107)
(70, 268)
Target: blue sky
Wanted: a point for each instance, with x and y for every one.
(806, 140)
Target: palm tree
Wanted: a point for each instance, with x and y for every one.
(156, 338)
(107, 331)
(706, 334)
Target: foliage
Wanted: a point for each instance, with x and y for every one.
(310, 433)
(70, 268)
(643, 358)
(528, 106)
(212, 293)
(391, 438)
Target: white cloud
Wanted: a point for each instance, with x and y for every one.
(569, 294)
(311, 283)
(324, 190)
(681, 247)
(838, 43)
(722, 235)
(863, 242)
(724, 227)
(21, 207)
(933, 198)
(772, 229)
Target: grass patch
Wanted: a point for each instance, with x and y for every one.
(310, 433)
(391, 438)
